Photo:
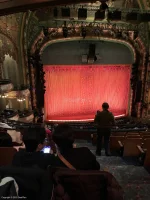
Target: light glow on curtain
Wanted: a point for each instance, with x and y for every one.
(77, 92)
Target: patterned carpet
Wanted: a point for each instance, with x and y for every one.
(134, 179)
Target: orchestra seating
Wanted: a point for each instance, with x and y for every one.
(126, 138)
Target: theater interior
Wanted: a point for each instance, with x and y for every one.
(59, 61)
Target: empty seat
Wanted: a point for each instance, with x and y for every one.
(118, 133)
(130, 146)
(114, 145)
(6, 155)
(133, 136)
(144, 151)
(132, 133)
(145, 135)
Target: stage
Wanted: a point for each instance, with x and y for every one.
(75, 93)
(81, 118)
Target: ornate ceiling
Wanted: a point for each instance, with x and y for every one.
(18, 31)
(44, 17)
(11, 25)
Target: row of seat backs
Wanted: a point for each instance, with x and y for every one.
(38, 184)
(122, 136)
(144, 134)
(129, 144)
(129, 137)
(86, 185)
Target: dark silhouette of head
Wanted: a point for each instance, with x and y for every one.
(34, 139)
(5, 139)
(63, 136)
(105, 106)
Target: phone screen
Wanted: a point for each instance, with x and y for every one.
(46, 149)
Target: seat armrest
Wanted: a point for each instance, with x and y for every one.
(120, 143)
(140, 149)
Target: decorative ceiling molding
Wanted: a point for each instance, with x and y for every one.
(56, 35)
(94, 38)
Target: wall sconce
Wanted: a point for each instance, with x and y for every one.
(3, 96)
(21, 99)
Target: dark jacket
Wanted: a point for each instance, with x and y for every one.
(5, 140)
(104, 119)
(33, 183)
(80, 158)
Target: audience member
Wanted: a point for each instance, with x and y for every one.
(33, 156)
(5, 139)
(5, 126)
(51, 143)
(104, 121)
(16, 137)
(79, 158)
(34, 140)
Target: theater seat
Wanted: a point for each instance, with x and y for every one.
(118, 133)
(145, 135)
(147, 158)
(133, 136)
(146, 144)
(6, 155)
(130, 146)
(144, 150)
(85, 185)
(114, 145)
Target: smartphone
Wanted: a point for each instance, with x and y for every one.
(46, 150)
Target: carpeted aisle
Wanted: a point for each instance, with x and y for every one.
(134, 179)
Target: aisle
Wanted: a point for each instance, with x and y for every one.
(134, 179)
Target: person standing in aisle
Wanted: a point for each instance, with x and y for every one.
(104, 120)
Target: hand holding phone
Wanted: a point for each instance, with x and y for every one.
(46, 150)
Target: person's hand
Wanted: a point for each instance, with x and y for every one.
(74, 146)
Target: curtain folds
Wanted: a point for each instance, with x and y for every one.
(77, 92)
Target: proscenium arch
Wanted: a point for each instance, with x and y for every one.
(41, 42)
(127, 44)
(130, 49)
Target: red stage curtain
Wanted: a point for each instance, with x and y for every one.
(77, 92)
